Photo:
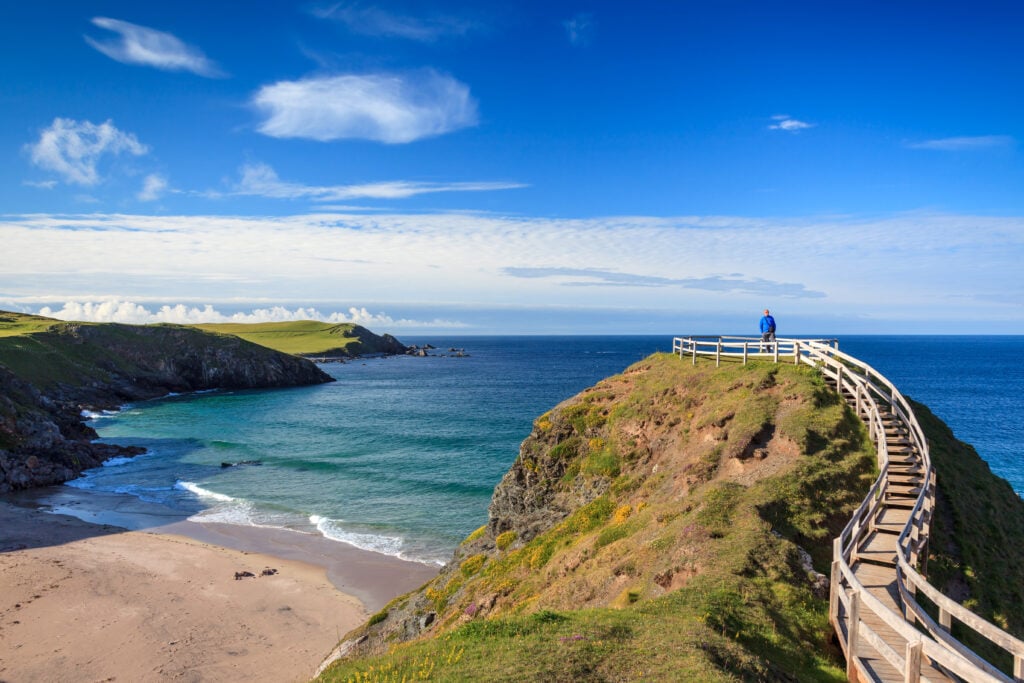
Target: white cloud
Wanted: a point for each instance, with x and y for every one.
(905, 267)
(580, 29)
(153, 187)
(961, 144)
(41, 184)
(386, 107)
(374, 21)
(261, 180)
(149, 47)
(74, 148)
(119, 311)
(783, 122)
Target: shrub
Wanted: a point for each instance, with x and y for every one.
(504, 540)
(622, 513)
(605, 463)
(472, 565)
(541, 554)
(590, 516)
(610, 535)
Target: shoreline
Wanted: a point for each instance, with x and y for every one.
(94, 601)
(372, 577)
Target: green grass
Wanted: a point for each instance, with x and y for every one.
(302, 337)
(17, 324)
(306, 337)
(707, 632)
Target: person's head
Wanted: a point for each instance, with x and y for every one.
(766, 312)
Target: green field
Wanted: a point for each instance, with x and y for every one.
(15, 324)
(301, 337)
(305, 337)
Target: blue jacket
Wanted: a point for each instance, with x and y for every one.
(767, 324)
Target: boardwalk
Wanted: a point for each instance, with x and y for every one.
(879, 558)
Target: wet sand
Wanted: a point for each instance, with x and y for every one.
(92, 602)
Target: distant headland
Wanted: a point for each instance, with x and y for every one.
(51, 371)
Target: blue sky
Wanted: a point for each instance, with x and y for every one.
(525, 167)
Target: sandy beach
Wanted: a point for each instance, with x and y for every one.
(94, 602)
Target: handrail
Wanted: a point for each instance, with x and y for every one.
(872, 394)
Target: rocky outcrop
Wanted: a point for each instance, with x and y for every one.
(372, 343)
(48, 377)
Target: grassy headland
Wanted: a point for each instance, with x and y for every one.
(51, 370)
(311, 338)
(666, 524)
(675, 523)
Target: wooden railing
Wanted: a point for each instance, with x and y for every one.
(872, 397)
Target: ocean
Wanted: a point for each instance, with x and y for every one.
(401, 454)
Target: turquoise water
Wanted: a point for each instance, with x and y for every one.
(401, 454)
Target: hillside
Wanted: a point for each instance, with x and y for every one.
(312, 338)
(675, 523)
(51, 370)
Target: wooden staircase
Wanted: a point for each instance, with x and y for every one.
(880, 558)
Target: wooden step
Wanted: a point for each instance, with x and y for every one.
(900, 493)
(891, 520)
(878, 548)
(912, 480)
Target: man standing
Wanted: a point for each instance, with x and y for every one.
(767, 328)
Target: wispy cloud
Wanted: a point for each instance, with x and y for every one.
(261, 180)
(787, 123)
(73, 149)
(374, 21)
(148, 47)
(580, 29)
(906, 268)
(386, 107)
(153, 187)
(582, 277)
(962, 144)
(114, 310)
(41, 184)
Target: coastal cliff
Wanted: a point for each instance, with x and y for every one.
(675, 522)
(51, 371)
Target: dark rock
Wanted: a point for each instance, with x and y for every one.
(44, 439)
(244, 575)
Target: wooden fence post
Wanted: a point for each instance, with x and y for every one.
(852, 628)
(912, 668)
(833, 595)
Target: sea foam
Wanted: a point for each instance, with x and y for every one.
(195, 488)
(332, 529)
(96, 415)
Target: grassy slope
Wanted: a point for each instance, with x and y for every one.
(977, 542)
(47, 352)
(31, 357)
(16, 324)
(33, 349)
(744, 612)
(299, 337)
(685, 568)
